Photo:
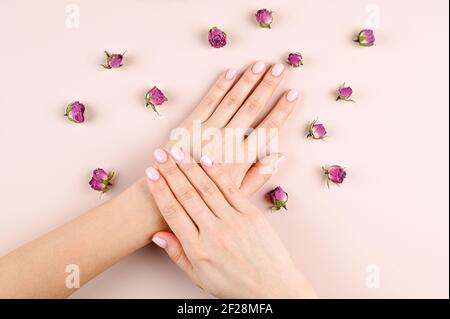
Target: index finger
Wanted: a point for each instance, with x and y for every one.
(212, 99)
(171, 210)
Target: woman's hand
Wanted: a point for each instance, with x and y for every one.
(234, 104)
(222, 241)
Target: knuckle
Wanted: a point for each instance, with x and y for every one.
(208, 190)
(208, 101)
(272, 122)
(253, 105)
(189, 167)
(177, 255)
(171, 170)
(248, 79)
(161, 187)
(186, 194)
(268, 83)
(170, 210)
(230, 189)
(199, 254)
(221, 86)
(231, 99)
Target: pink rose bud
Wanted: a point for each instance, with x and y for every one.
(335, 174)
(113, 61)
(217, 38)
(154, 98)
(278, 198)
(366, 38)
(264, 18)
(101, 180)
(316, 131)
(295, 59)
(344, 93)
(75, 112)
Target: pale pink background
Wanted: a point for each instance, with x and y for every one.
(392, 210)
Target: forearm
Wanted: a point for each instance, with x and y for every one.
(94, 241)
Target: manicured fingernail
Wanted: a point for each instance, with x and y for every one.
(231, 73)
(160, 242)
(258, 67)
(205, 160)
(160, 155)
(292, 95)
(177, 153)
(152, 173)
(277, 69)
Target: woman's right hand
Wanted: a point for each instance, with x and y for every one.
(222, 241)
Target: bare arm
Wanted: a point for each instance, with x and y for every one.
(94, 241)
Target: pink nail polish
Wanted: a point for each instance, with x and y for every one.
(292, 95)
(152, 173)
(160, 242)
(205, 160)
(277, 69)
(160, 155)
(177, 153)
(258, 67)
(231, 73)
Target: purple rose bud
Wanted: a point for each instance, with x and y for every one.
(316, 131)
(75, 112)
(264, 18)
(217, 38)
(366, 38)
(344, 93)
(101, 180)
(295, 59)
(154, 98)
(335, 174)
(113, 61)
(278, 198)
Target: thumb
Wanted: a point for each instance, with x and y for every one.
(170, 243)
(260, 172)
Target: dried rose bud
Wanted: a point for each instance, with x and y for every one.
(295, 59)
(344, 93)
(278, 197)
(113, 61)
(316, 131)
(155, 97)
(264, 18)
(217, 38)
(75, 112)
(101, 180)
(335, 174)
(366, 38)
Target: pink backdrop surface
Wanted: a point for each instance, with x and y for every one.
(391, 212)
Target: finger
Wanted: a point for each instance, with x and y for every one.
(248, 113)
(170, 243)
(171, 210)
(205, 187)
(228, 188)
(212, 99)
(183, 189)
(260, 173)
(237, 95)
(271, 123)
